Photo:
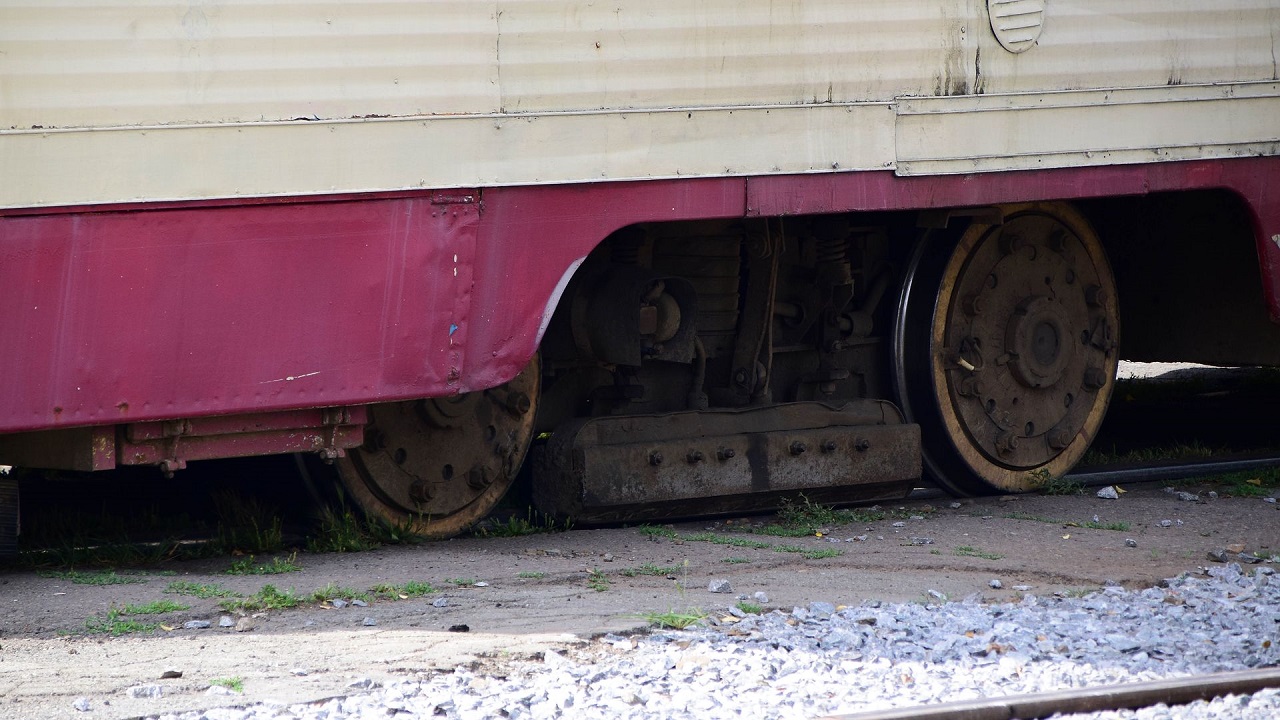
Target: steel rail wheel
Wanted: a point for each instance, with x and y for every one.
(436, 466)
(1006, 348)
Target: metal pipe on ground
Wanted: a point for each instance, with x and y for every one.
(1177, 691)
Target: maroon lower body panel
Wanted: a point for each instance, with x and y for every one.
(138, 314)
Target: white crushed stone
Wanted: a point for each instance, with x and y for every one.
(822, 659)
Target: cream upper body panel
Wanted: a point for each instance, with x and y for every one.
(235, 98)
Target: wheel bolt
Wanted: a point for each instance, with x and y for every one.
(420, 492)
(655, 459)
(1060, 438)
(798, 448)
(726, 454)
(1006, 442)
(517, 403)
(694, 457)
(861, 444)
(1095, 296)
(828, 446)
(478, 478)
(971, 386)
(1094, 378)
(973, 304)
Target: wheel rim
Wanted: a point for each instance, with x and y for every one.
(438, 465)
(1016, 357)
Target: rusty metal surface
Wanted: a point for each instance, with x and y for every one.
(82, 449)
(695, 463)
(171, 444)
(1025, 338)
(208, 447)
(438, 465)
(192, 311)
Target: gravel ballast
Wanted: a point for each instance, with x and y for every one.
(825, 659)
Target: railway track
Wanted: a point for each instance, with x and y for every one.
(1169, 471)
(1127, 696)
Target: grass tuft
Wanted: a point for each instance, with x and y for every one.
(268, 598)
(969, 551)
(277, 566)
(597, 580)
(100, 577)
(245, 525)
(116, 623)
(341, 531)
(651, 569)
(533, 523)
(203, 591)
(411, 589)
(674, 619)
(1048, 484)
(234, 684)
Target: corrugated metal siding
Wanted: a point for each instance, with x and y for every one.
(67, 64)
(467, 93)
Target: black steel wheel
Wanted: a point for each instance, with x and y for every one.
(1006, 347)
(437, 466)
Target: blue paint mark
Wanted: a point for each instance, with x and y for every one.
(452, 329)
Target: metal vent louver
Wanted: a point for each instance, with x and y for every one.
(1016, 23)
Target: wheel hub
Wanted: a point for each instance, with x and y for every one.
(1030, 335)
(440, 464)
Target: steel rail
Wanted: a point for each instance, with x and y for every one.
(1127, 696)
(1147, 473)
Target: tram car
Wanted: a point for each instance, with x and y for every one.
(703, 255)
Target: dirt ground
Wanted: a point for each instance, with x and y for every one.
(534, 592)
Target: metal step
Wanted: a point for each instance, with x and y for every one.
(697, 463)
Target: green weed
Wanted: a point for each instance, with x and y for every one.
(115, 626)
(1119, 526)
(736, 560)
(1033, 518)
(332, 592)
(675, 620)
(809, 554)
(156, 607)
(654, 531)
(462, 582)
(340, 531)
(531, 575)
(533, 523)
(277, 566)
(1048, 484)
(234, 684)
(411, 589)
(246, 525)
(116, 622)
(651, 569)
(268, 598)
(101, 577)
(723, 540)
(749, 608)
(596, 580)
(204, 591)
(1116, 526)
(969, 551)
